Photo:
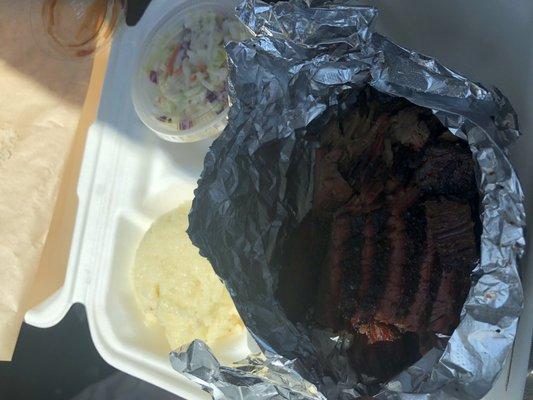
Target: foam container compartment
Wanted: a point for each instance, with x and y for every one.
(129, 177)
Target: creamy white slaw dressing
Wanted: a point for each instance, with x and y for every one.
(189, 70)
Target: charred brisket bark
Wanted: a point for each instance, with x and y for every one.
(389, 246)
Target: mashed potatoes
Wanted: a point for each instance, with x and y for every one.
(177, 288)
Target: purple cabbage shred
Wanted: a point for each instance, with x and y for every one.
(210, 96)
(185, 124)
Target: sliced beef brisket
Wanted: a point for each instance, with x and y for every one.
(397, 200)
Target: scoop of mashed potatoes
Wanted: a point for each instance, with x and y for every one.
(177, 288)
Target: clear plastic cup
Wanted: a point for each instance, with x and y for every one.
(198, 125)
(74, 29)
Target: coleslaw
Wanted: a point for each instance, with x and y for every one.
(188, 71)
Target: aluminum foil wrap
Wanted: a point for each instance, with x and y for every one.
(257, 185)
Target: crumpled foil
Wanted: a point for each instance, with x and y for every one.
(257, 185)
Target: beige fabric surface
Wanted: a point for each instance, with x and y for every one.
(41, 100)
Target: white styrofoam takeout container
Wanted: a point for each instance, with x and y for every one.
(129, 177)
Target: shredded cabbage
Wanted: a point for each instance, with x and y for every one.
(189, 70)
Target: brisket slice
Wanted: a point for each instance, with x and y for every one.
(417, 314)
(392, 286)
(372, 275)
(447, 169)
(418, 267)
(451, 226)
(444, 314)
(354, 279)
(340, 274)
